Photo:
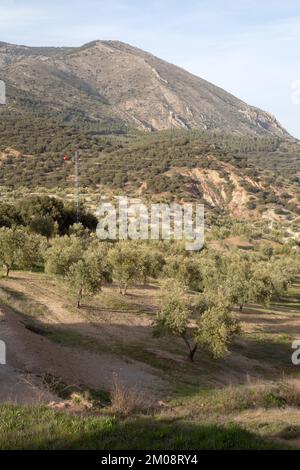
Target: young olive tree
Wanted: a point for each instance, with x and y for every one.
(237, 276)
(84, 279)
(208, 325)
(126, 265)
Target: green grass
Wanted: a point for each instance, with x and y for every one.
(40, 428)
(238, 398)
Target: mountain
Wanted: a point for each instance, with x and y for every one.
(117, 82)
(102, 97)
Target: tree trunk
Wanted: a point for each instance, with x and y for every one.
(7, 270)
(241, 308)
(192, 349)
(79, 298)
(192, 353)
(125, 289)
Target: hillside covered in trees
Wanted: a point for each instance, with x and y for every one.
(231, 174)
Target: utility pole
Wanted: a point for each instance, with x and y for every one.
(75, 160)
(76, 185)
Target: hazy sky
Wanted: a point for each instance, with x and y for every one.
(249, 47)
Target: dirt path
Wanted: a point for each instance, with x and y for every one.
(17, 385)
(106, 324)
(30, 355)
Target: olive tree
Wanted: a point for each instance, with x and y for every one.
(97, 256)
(216, 329)
(18, 249)
(272, 278)
(250, 280)
(209, 324)
(43, 225)
(237, 275)
(84, 279)
(126, 265)
(186, 269)
(31, 251)
(151, 262)
(62, 254)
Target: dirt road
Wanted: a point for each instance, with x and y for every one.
(30, 356)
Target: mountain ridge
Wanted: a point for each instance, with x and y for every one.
(114, 79)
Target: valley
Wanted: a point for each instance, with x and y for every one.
(134, 344)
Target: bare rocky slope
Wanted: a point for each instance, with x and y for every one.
(110, 79)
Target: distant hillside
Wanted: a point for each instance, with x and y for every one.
(222, 171)
(110, 80)
(204, 145)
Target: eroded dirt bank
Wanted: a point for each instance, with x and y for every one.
(30, 356)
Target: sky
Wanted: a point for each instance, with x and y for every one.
(250, 48)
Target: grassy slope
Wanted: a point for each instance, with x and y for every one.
(128, 324)
(41, 428)
(196, 416)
